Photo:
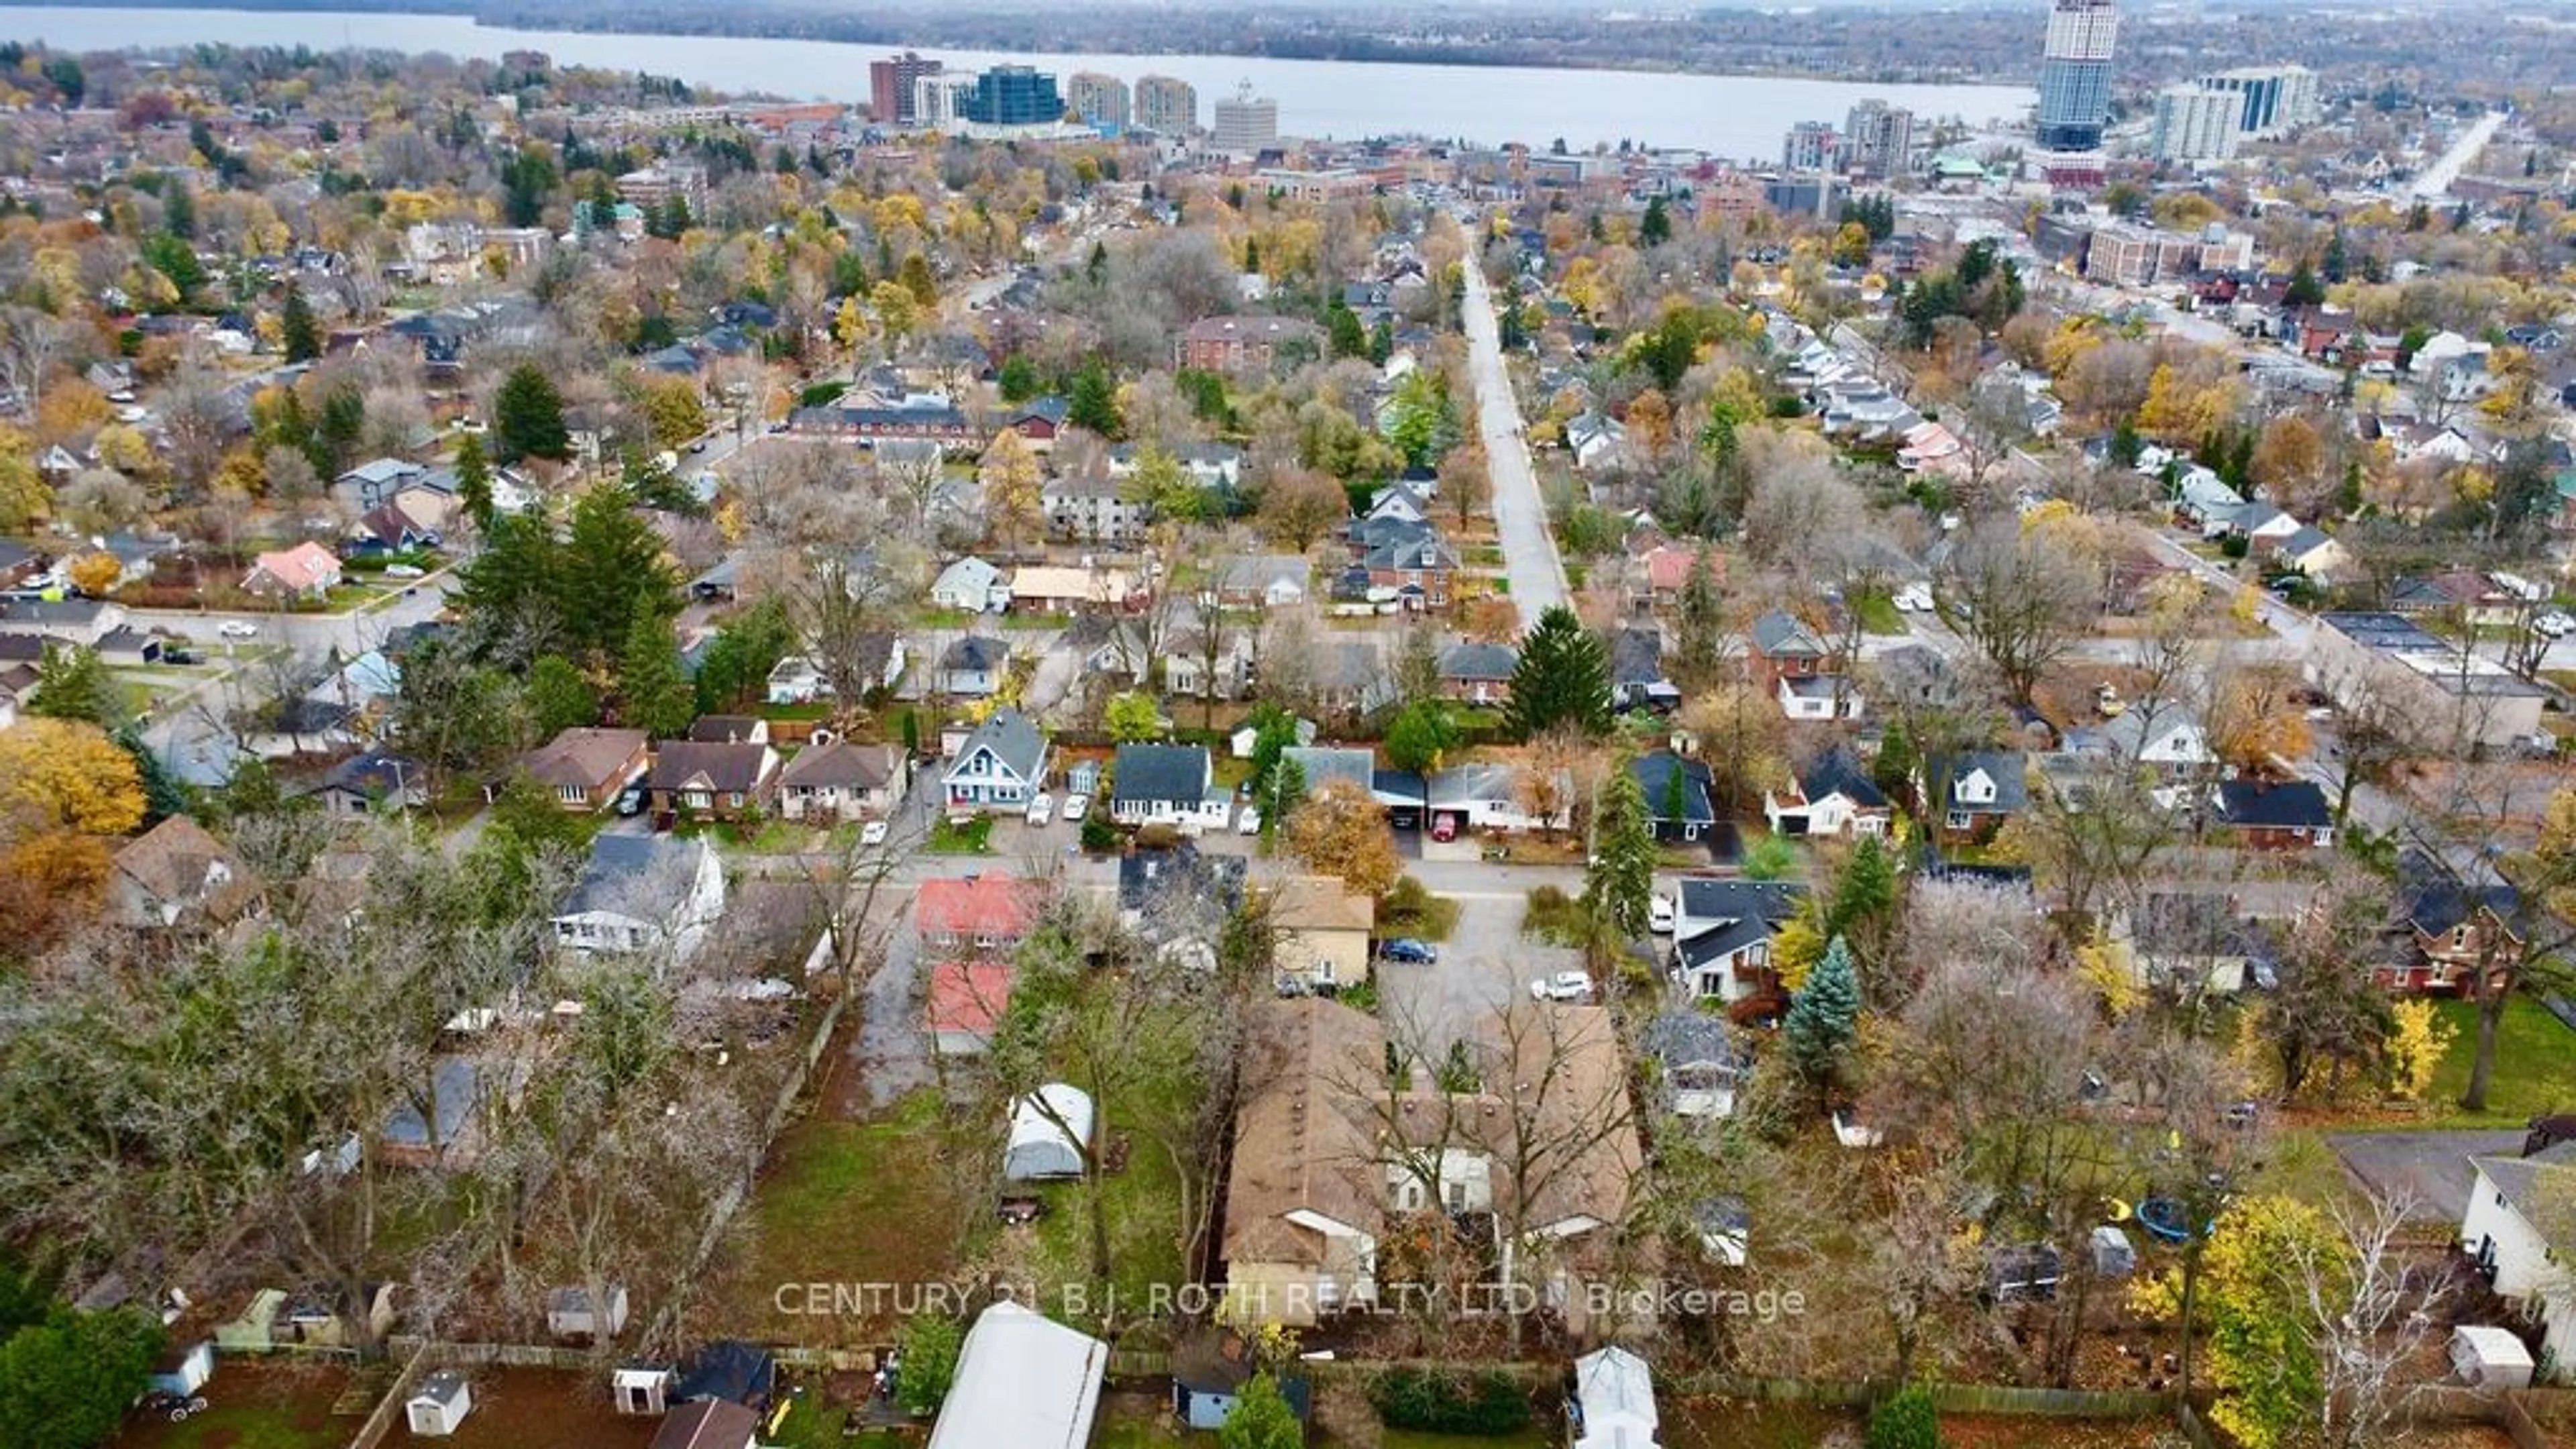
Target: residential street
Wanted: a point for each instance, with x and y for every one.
(1530, 559)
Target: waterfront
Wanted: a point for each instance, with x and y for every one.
(1732, 116)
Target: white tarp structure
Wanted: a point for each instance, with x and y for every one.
(2490, 1358)
(1022, 1381)
(1614, 1401)
(1049, 1129)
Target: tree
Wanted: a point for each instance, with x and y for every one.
(674, 410)
(1132, 717)
(1905, 1420)
(734, 671)
(1656, 227)
(1562, 678)
(653, 693)
(66, 1382)
(300, 335)
(931, 1343)
(1347, 337)
(1340, 830)
(95, 574)
(2022, 596)
(610, 573)
(58, 774)
(1093, 403)
(528, 416)
(1824, 1018)
(915, 276)
(558, 697)
(1262, 1418)
(474, 482)
(1864, 903)
(72, 683)
(1018, 378)
(2255, 1305)
(1014, 484)
(1299, 507)
(1420, 735)
(1619, 884)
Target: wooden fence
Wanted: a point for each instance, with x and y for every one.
(380, 1422)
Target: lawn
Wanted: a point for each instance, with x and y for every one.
(975, 837)
(255, 1406)
(2535, 1066)
(1141, 1203)
(1878, 613)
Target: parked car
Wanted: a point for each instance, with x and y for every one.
(2553, 624)
(1041, 809)
(403, 571)
(873, 833)
(1444, 828)
(181, 654)
(1563, 986)
(1409, 951)
(1249, 823)
(1659, 915)
(630, 800)
(1075, 807)
(238, 629)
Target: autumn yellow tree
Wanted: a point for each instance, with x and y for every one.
(2289, 453)
(2256, 720)
(95, 574)
(58, 775)
(1012, 485)
(1340, 830)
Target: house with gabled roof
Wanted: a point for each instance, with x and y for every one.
(712, 779)
(1971, 794)
(973, 666)
(1306, 1197)
(306, 571)
(585, 768)
(1834, 795)
(844, 780)
(975, 915)
(1722, 934)
(2447, 929)
(970, 586)
(1678, 800)
(1166, 785)
(643, 893)
(1478, 674)
(2275, 815)
(1320, 930)
(1780, 646)
(176, 872)
(999, 766)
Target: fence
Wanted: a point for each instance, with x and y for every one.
(390, 1407)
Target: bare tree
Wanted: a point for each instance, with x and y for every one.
(2021, 598)
(31, 342)
(2374, 1307)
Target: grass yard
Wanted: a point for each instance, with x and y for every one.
(847, 1202)
(975, 837)
(255, 1405)
(516, 1408)
(1141, 1204)
(1878, 613)
(2535, 1071)
(1536, 1437)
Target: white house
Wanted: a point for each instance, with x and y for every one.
(1595, 441)
(1832, 796)
(2497, 1230)
(1483, 797)
(643, 892)
(1000, 765)
(2171, 740)
(1166, 785)
(1818, 697)
(1722, 933)
(971, 586)
(973, 666)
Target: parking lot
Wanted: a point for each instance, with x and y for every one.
(1484, 966)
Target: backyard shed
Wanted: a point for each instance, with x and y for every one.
(640, 1388)
(1209, 1370)
(440, 1404)
(2113, 1255)
(570, 1315)
(1022, 1380)
(1613, 1403)
(1049, 1130)
(255, 1328)
(183, 1371)
(2490, 1358)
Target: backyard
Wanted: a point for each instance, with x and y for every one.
(258, 1404)
(522, 1408)
(2535, 1067)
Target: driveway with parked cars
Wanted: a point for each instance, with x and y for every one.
(1484, 966)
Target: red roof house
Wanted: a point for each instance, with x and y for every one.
(986, 913)
(966, 1003)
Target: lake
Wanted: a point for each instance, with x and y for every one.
(1733, 116)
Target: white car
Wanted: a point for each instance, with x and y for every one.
(2553, 624)
(238, 629)
(873, 833)
(1250, 821)
(1041, 809)
(1659, 915)
(1075, 807)
(1563, 986)
(403, 571)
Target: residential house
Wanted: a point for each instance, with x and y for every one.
(306, 571)
(1248, 342)
(1818, 697)
(842, 780)
(1174, 893)
(643, 893)
(2510, 1228)
(1779, 647)
(976, 915)
(1488, 796)
(1722, 934)
(1166, 785)
(2311, 552)
(2166, 740)
(1093, 510)
(1306, 1194)
(73, 621)
(1186, 672)
(373, 783)
(1677, 795)
(966, 1002)
(973, 666)
(970, 586)
(1697, 1064)
(1039, 421)
(2448, 930)
(2269, 815)
(729, 729)
(797, 679)
(2187, 941)
(999, 766)
(1974, 793)
(1217, 467)
(1597, 442)
(1320, 931)
(1110, 645)
(1833, 796)
(712, 780)
(1053, 589)
(586, 768)
(1662, 572)
(1637, 679)
(1021, 1378)
(1263, 581)
(2203, 500)
(1351, 678)
(176, 873)
(1478, 674)
(1399, 503)
(372, 485)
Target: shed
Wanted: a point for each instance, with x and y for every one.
(440, 1404)
(1049, 1131)
(1209, 1370)
(183, 1371)
(1613, 1403)
(640, 1388)
(2490, 1358)
(2113, 1256)
(255, 1329)
(569, 1313)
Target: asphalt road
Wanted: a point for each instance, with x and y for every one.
(1530, 559)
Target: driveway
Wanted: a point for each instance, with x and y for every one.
(2429, 1167)
(1484, 966)
(1530, 559)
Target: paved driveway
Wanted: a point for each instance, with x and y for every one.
(1484, 966)
(2429, 1167)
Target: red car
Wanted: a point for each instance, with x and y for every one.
(1444, 828)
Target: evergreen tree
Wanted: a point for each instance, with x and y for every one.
(559, 698)
(1349, 338)
(612, 576)
(508, 591)
(1018, 379)
(342, 429)
(164, 793)
(474, 482)
(299, 333)
(179, 211)
(1420, 735)
(1864, 904)
(73, 683)
(1701, 623)
(653, 693)
(1619, 885)
(1657, 227)
(1563, 678)
(1262, 1419)
(2304, 289)
(1093, 404)
(1824, 1018)
(527, 416)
